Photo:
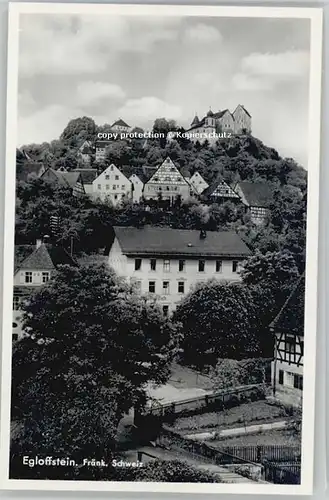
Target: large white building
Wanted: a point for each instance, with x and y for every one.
(112, 185)
(165, 264)
(137, 188)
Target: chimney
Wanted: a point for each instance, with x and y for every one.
(203, 234)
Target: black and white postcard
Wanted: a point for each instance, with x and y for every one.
(160, 248)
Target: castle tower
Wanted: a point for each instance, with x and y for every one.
(210, 120)
(195, 121)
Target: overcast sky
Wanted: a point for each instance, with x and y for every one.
(141, 68)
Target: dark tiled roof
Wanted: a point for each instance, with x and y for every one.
(47, 257)
(88, 174)
(195, 121)
(219, 114)
(291, 317)
(167, 241)
(257, 194)
(120, 123)
(223, 189)
(67, 179)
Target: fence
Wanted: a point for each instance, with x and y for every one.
(199, 450)
(210, 402)
(272, 453)
(279, 474)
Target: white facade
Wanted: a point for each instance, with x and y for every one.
(198, 182)
(112, 185)
(138, 187)
(168, 280)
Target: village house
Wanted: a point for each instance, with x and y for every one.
(219, 192)
(237, 122)
(88, 176)
(33, 268)
(165, 264)
(167, 183)
(137, 188)
(100, 150)
(112, 185)
(72, 180)
(85, 152)
(288, 331)
(256, 196)
(26, 168)
(198, 182)
(120, 126)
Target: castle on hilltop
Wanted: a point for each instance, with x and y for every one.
(238, 122)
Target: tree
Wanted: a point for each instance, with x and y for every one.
(79, 130)
(92, 346)
(216, 322)
(170, 471)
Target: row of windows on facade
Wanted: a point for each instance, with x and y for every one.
(182, 265)
(28, 276)
(165, 287)
(290, 379)
(166, 188)
(114, 187)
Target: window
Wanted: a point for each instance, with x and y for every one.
(16, 301)
(298, 382)
(99, 186)
(28, 277)
(114, 187)
(107, 187)
(165, 310)
(165, 287)
(166, 265)
(123, 187)
(235, 264)
(289, 379)
(202, 265)
(290, 344)
(116, 177)
(281, 377)
(181, 287)
(111, 167)
(15, 337)
(153, 264)
(15, 325)
(219, 266)
(45, 276)
(138, 264)
(107, 177)
(181, 265)
(152, 286)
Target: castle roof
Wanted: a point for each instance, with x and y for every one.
(244, 109)
(186, 242)
(210, 113)
(195, 121)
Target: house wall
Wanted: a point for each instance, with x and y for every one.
(285, 366)
(198, 182)
(242, 120)
(226, 122)
(190, 275)
(138, 186)
(152, 191)
(112, 185)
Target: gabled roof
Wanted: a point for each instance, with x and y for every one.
(291, 317)
(244, 109)
(67, 179)
(45, 257)
(195, 121)
(220, 189)
(219, 114)
(167, 173)
(86, 150)
(120, 123)
(185, 242)
(257, 194)
(88, 174)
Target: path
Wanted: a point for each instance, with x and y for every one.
(224, 474)
(237, 431)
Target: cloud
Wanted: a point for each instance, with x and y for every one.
(264, 71)
(90, 92)
(202, 33)
(74, 45)
(291, 64)
(147, 109)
